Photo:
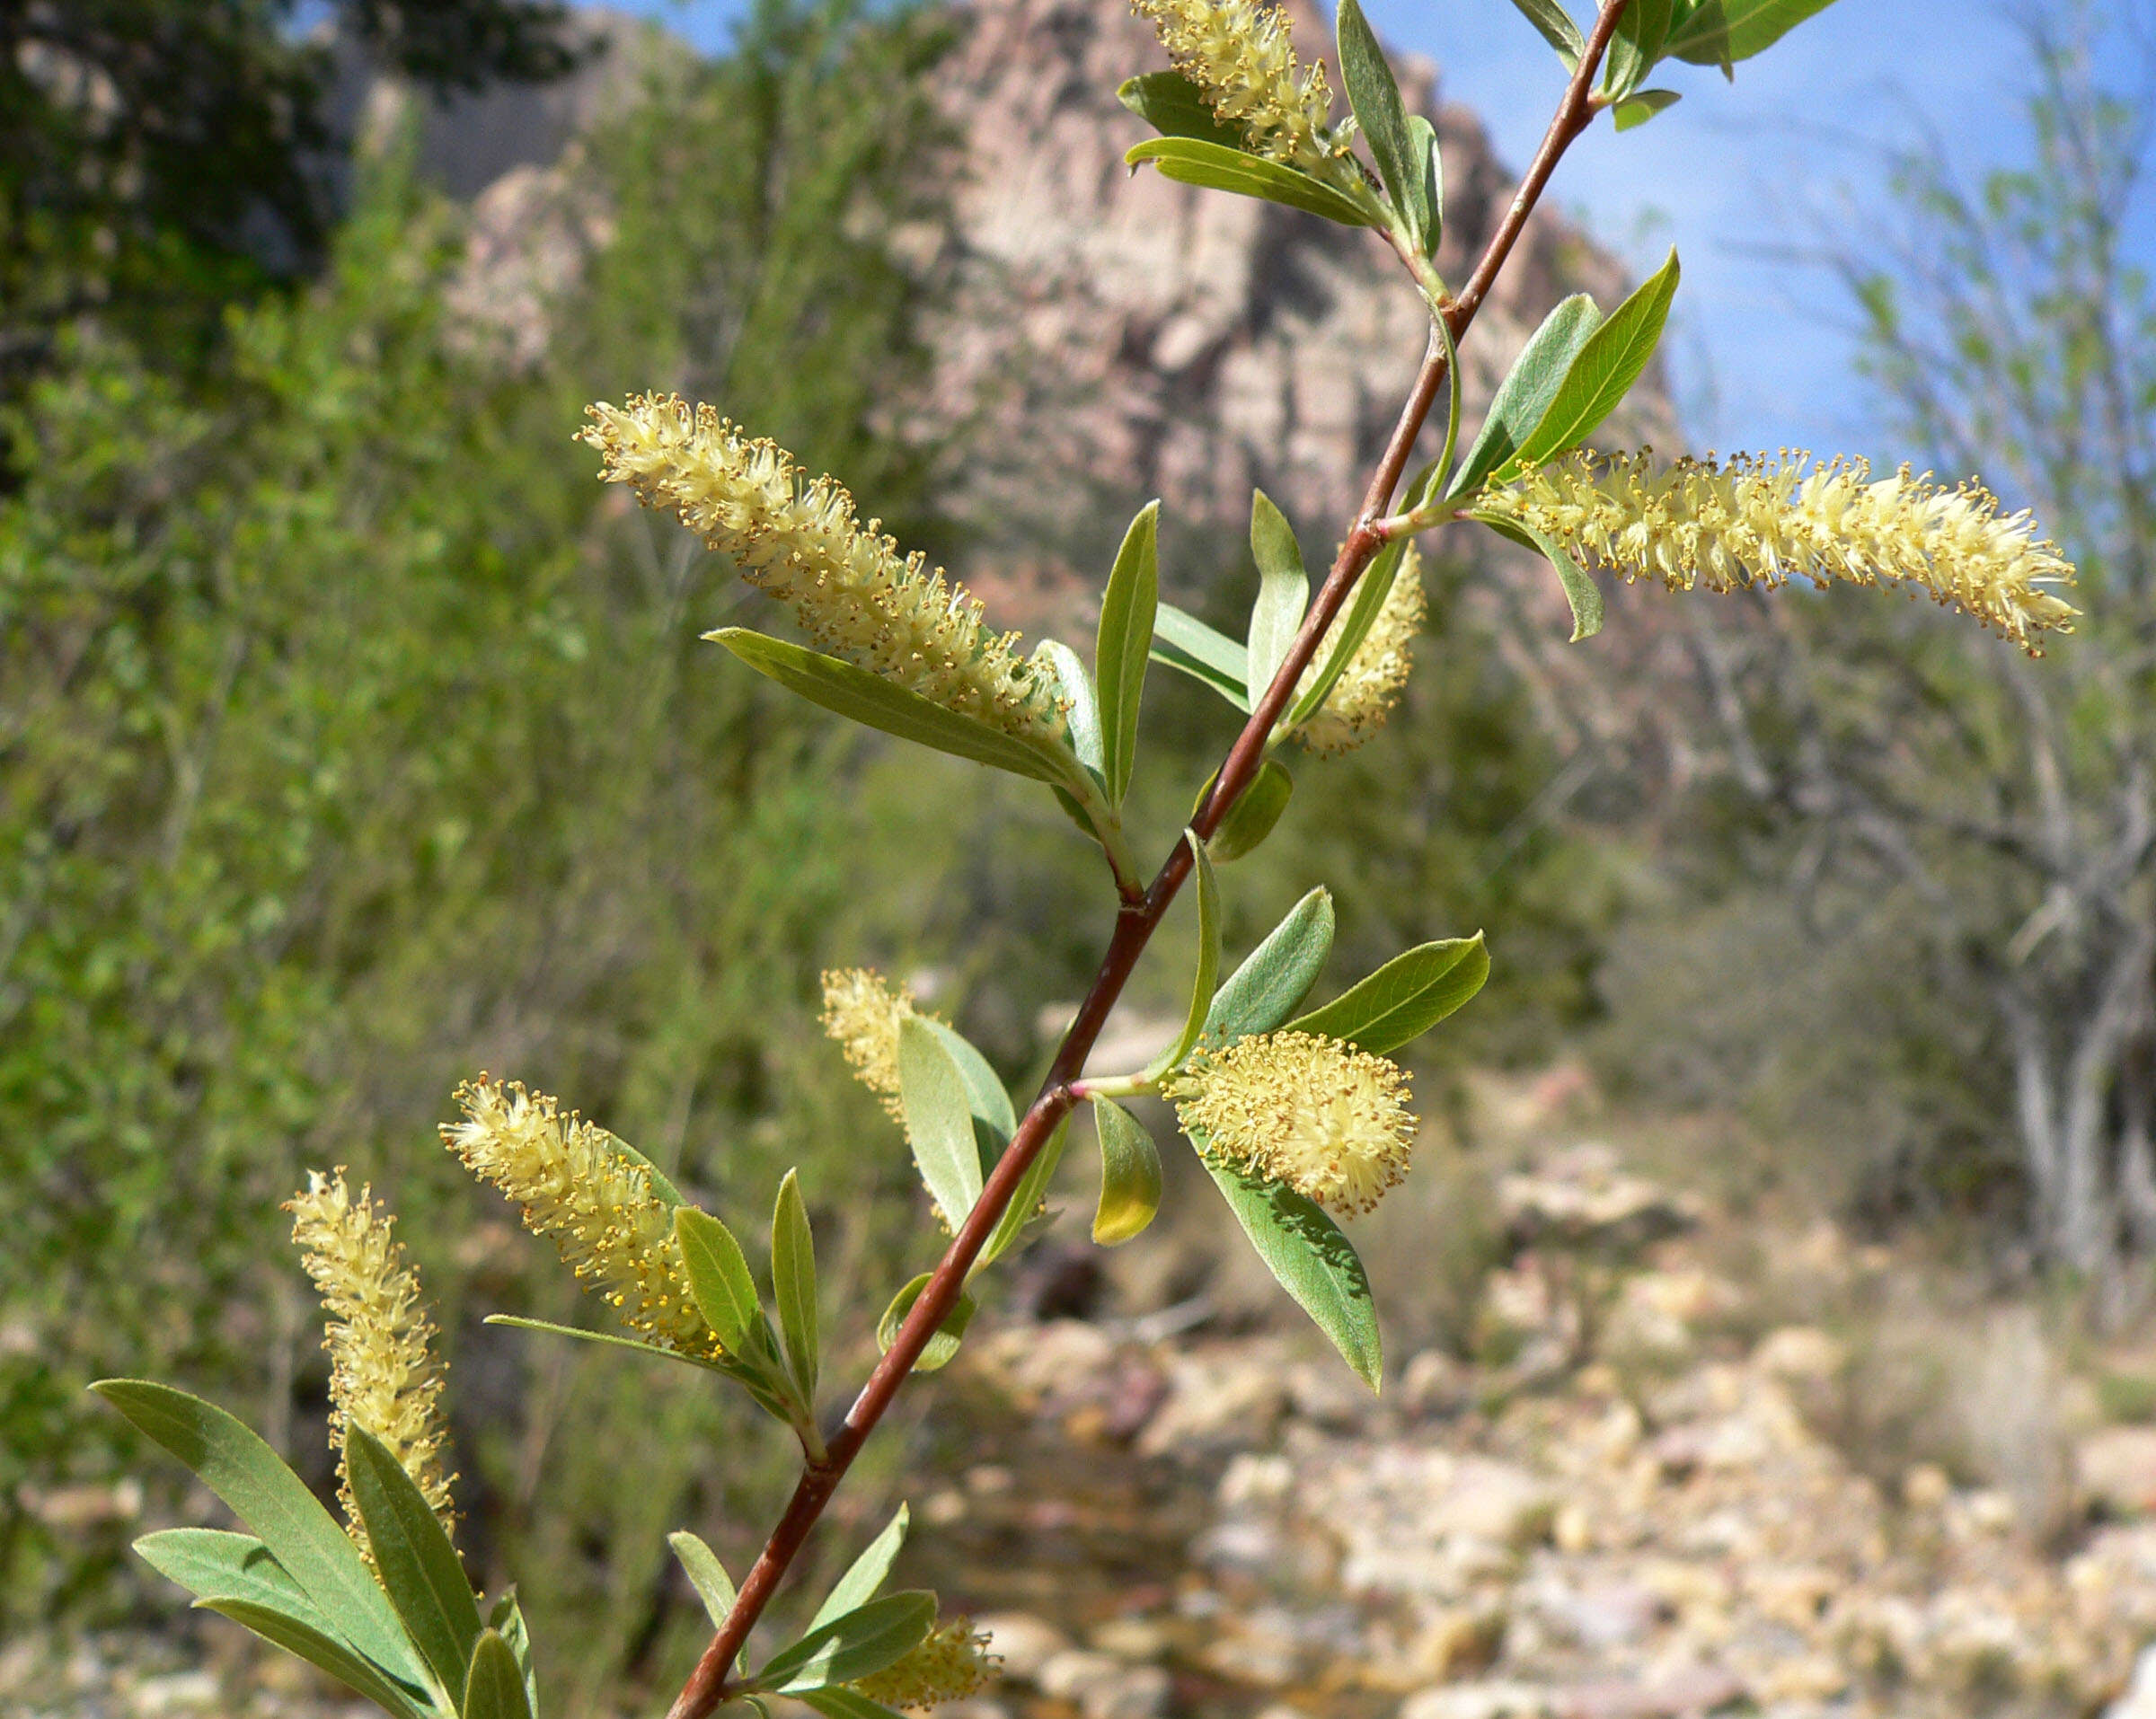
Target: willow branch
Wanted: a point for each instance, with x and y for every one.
(1137, 921)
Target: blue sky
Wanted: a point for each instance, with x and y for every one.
(1731, 173)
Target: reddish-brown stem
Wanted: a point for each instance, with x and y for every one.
(1135, 923)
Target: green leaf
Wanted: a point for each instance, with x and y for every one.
(1077, 691)
(494, 1689)
(1217, 167)
(706, 1575)
(211, 1564)
(793, 1285)
(1720, 32)
(864, 1641)
(609, 1338)
(944, 1344)
(419, 1568)
(1184, 642)
(871, 700)
(1277, 974)
(1370, 592)
(1209, 961)
(1125, 641)
(1636, 47)
(1255, 812)
(1025, 1200)
(1525, 397)
(932, 1092)
(720, 1281)
(275, 1502)
(1130, 1174)
(1283, 593)
(839, 1702)
(1580, 589)
(330, 1654)
(1171, 105)
(1405, 998)
(1314, 1262)
(1374, 95)
(1424, 137)
(507, 1616)
(1607, 366)
(865, 1575)
(984, 1088)
(1636, 110)
(1557, 27)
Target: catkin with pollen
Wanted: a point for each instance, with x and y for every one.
(1376, 674)
(382, 1372)
(1762, 521)
(1240, 59)
(799, 539)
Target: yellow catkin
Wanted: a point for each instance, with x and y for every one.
(950, 1663)
(799, 539)
(594, 1203)
(1240, 55)
(1376, 674)
(1329, 1120)
(862, 1012)
(382, 1372)
(1762, 520)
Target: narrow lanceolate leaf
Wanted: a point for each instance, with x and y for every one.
(1081, 708)
(841, 1703)
(1208, 960)
(1638, 108)
(1256, 811)
(1125, 645)
(720, 1281)
(211, 1564)
(1277, 974)
(1720, 32)
(873, 702)
(1580, 589)
(944, 1344)
(1551, 18)
(793, 1284)
(1313, 1262)
(660, 1184)
(507, 1616)
(1375, 94)
(706, 1575)
(495, 1687)
(330, 1654)
(939, 1120)
(302, 1536)
(865, 1575)
(984, 1089)
(1405, 998)
(1525, 397)
(607, 1337)
(864, 1641)
(1218, 168)
(1130, 1174)
(1185, 644)
(1170, 104)
(1607, 366)
(1025, 1203)
(419, 1568)
(1424, 137)
(1283, 594)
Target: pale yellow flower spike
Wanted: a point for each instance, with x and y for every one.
(950, 1663)
(1239, 55)
(382, 1372)
(1761, 520)
(853, 594)
(1329, 1120)
(1376, 674)
(596, 1204)
(862, 1012)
